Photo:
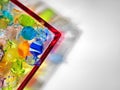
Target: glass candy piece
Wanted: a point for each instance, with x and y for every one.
(23, 49)
(36, 48)
(3, 23)
(8, 15)
(47, 14)
(26, 20)
(28, 33)
(4, 1)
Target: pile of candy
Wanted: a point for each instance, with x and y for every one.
(22, 41)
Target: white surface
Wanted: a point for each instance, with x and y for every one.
(94, 63)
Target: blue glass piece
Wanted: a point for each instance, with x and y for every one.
(36, 48)
(43, 34)
(28, 33)
(8, 15)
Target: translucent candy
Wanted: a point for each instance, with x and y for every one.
(11, 52)
(4, 1)
(14, 30)
(36, 48)
(3, 23)
(43, 34)
(23, 49)
(47, 14)
(8, 15)
(30, 60)
(17, 68)
(28, 33)
(11, 81)
(7, 88)
(26, 20)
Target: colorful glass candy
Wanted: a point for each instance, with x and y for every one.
(28, 33)
(23, 49)
(8, 15)
(26, 20)
(4, 1)
(36, 48)
(3, 23)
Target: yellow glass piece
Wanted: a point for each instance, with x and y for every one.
(4, 23)
(11, 55)
(4, 67)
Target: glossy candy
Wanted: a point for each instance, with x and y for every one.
(3, 23)
(11, 81)
(43, 34)
(36, 48)
(14, 30)
(47, 14)
(11, 52)
(4, 1)
(23, 49)
(28, 33)
(8, 15)
(26, 20)
(17, 68)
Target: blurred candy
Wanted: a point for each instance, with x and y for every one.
(28, 33)
(14, 30)
(5, 70)
(43, 34)
(3, 23)
(17, 68)
(23, 49)
(26, 20)
(26, 67)
(11, 81)
(7, 88)
(36, 48)
(11, 52)
(4, 1)
(8, 15)
(47, 14)
(30, 60)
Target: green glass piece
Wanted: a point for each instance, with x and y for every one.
(7, 88)
(26, 20)
(17, 68)
(47, 14)
(4, 2)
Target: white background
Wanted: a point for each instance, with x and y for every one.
(94, 62)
